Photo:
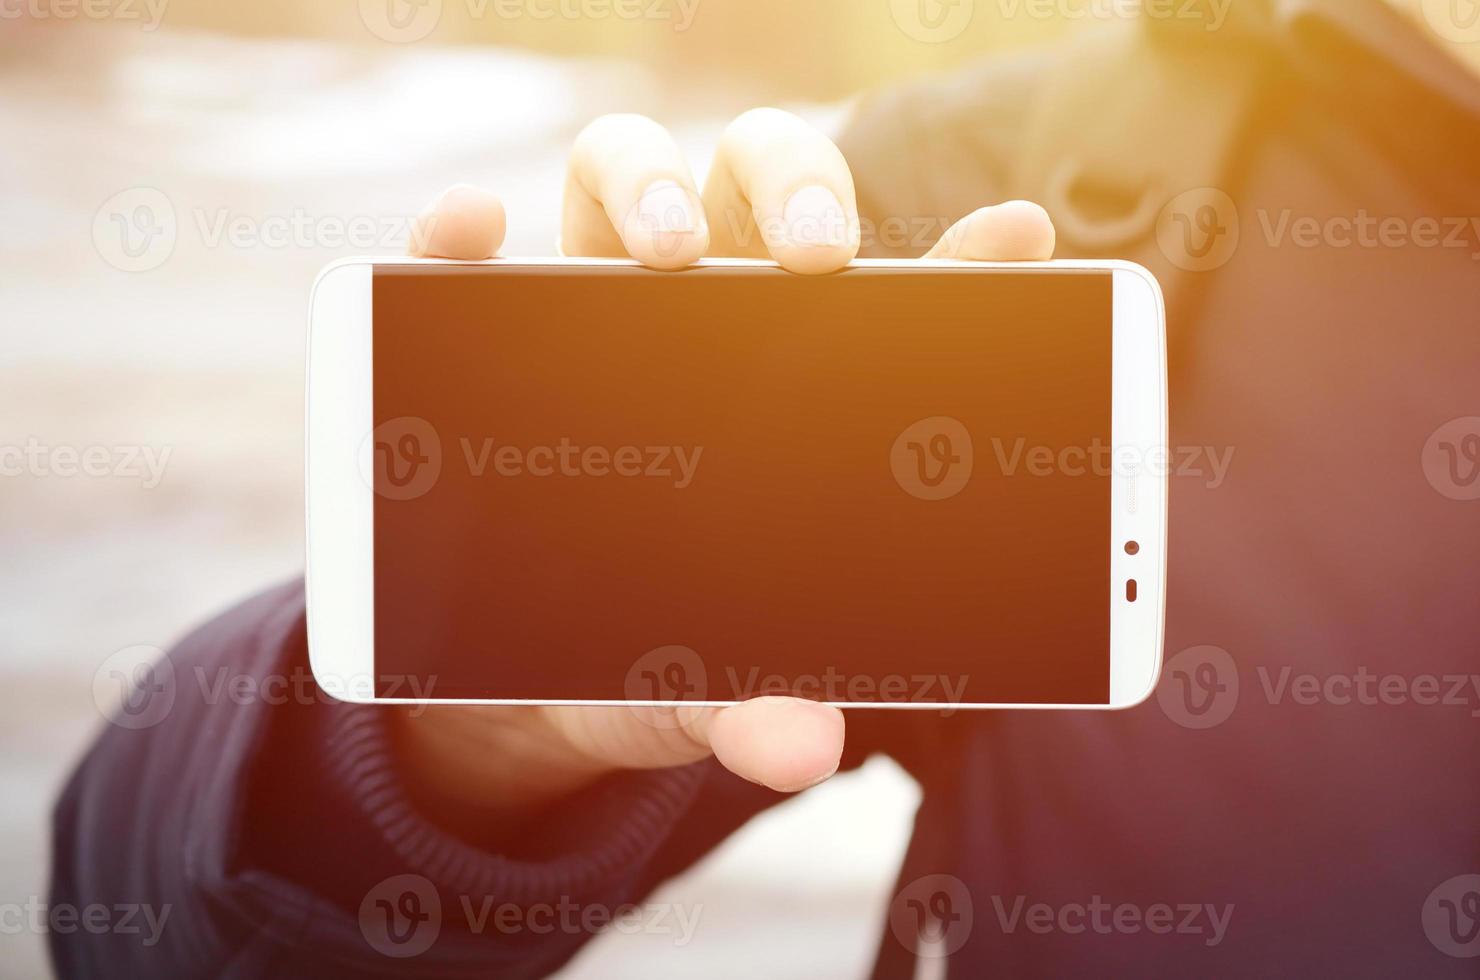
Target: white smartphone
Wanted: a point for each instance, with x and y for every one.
(923, 484)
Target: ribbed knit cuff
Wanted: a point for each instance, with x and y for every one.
(600, 838)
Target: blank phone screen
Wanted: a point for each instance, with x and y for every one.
(876, 486)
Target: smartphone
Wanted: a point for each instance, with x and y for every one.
(922, 484)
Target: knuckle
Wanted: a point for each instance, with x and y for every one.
(766, 124)
(767, 116)
(778, 149)
(1027, 211)
(615, 129)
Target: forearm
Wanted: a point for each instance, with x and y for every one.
(257, 832)
(487, 772)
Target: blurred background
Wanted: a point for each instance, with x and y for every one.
(177, 171)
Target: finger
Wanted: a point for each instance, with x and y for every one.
(465, 222)
(779, 187)
(785, 743)
(628, 191)
(1017, 231)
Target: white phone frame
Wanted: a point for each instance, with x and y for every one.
(339, 576)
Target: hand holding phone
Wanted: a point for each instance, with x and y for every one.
(768, 171)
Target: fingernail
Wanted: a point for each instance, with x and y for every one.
(665, 206)
(813, 216)
(814, 781)
(665, 217)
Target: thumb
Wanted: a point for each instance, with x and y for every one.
(787, 744)
(1016, 231)
(463, 223)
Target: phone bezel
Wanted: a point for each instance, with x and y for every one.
(339, 577)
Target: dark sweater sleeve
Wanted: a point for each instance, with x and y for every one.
(259, 828)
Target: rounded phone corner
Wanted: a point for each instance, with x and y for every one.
(1144, 693)
(355, 688)
(1137, 271)
(336, 267)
